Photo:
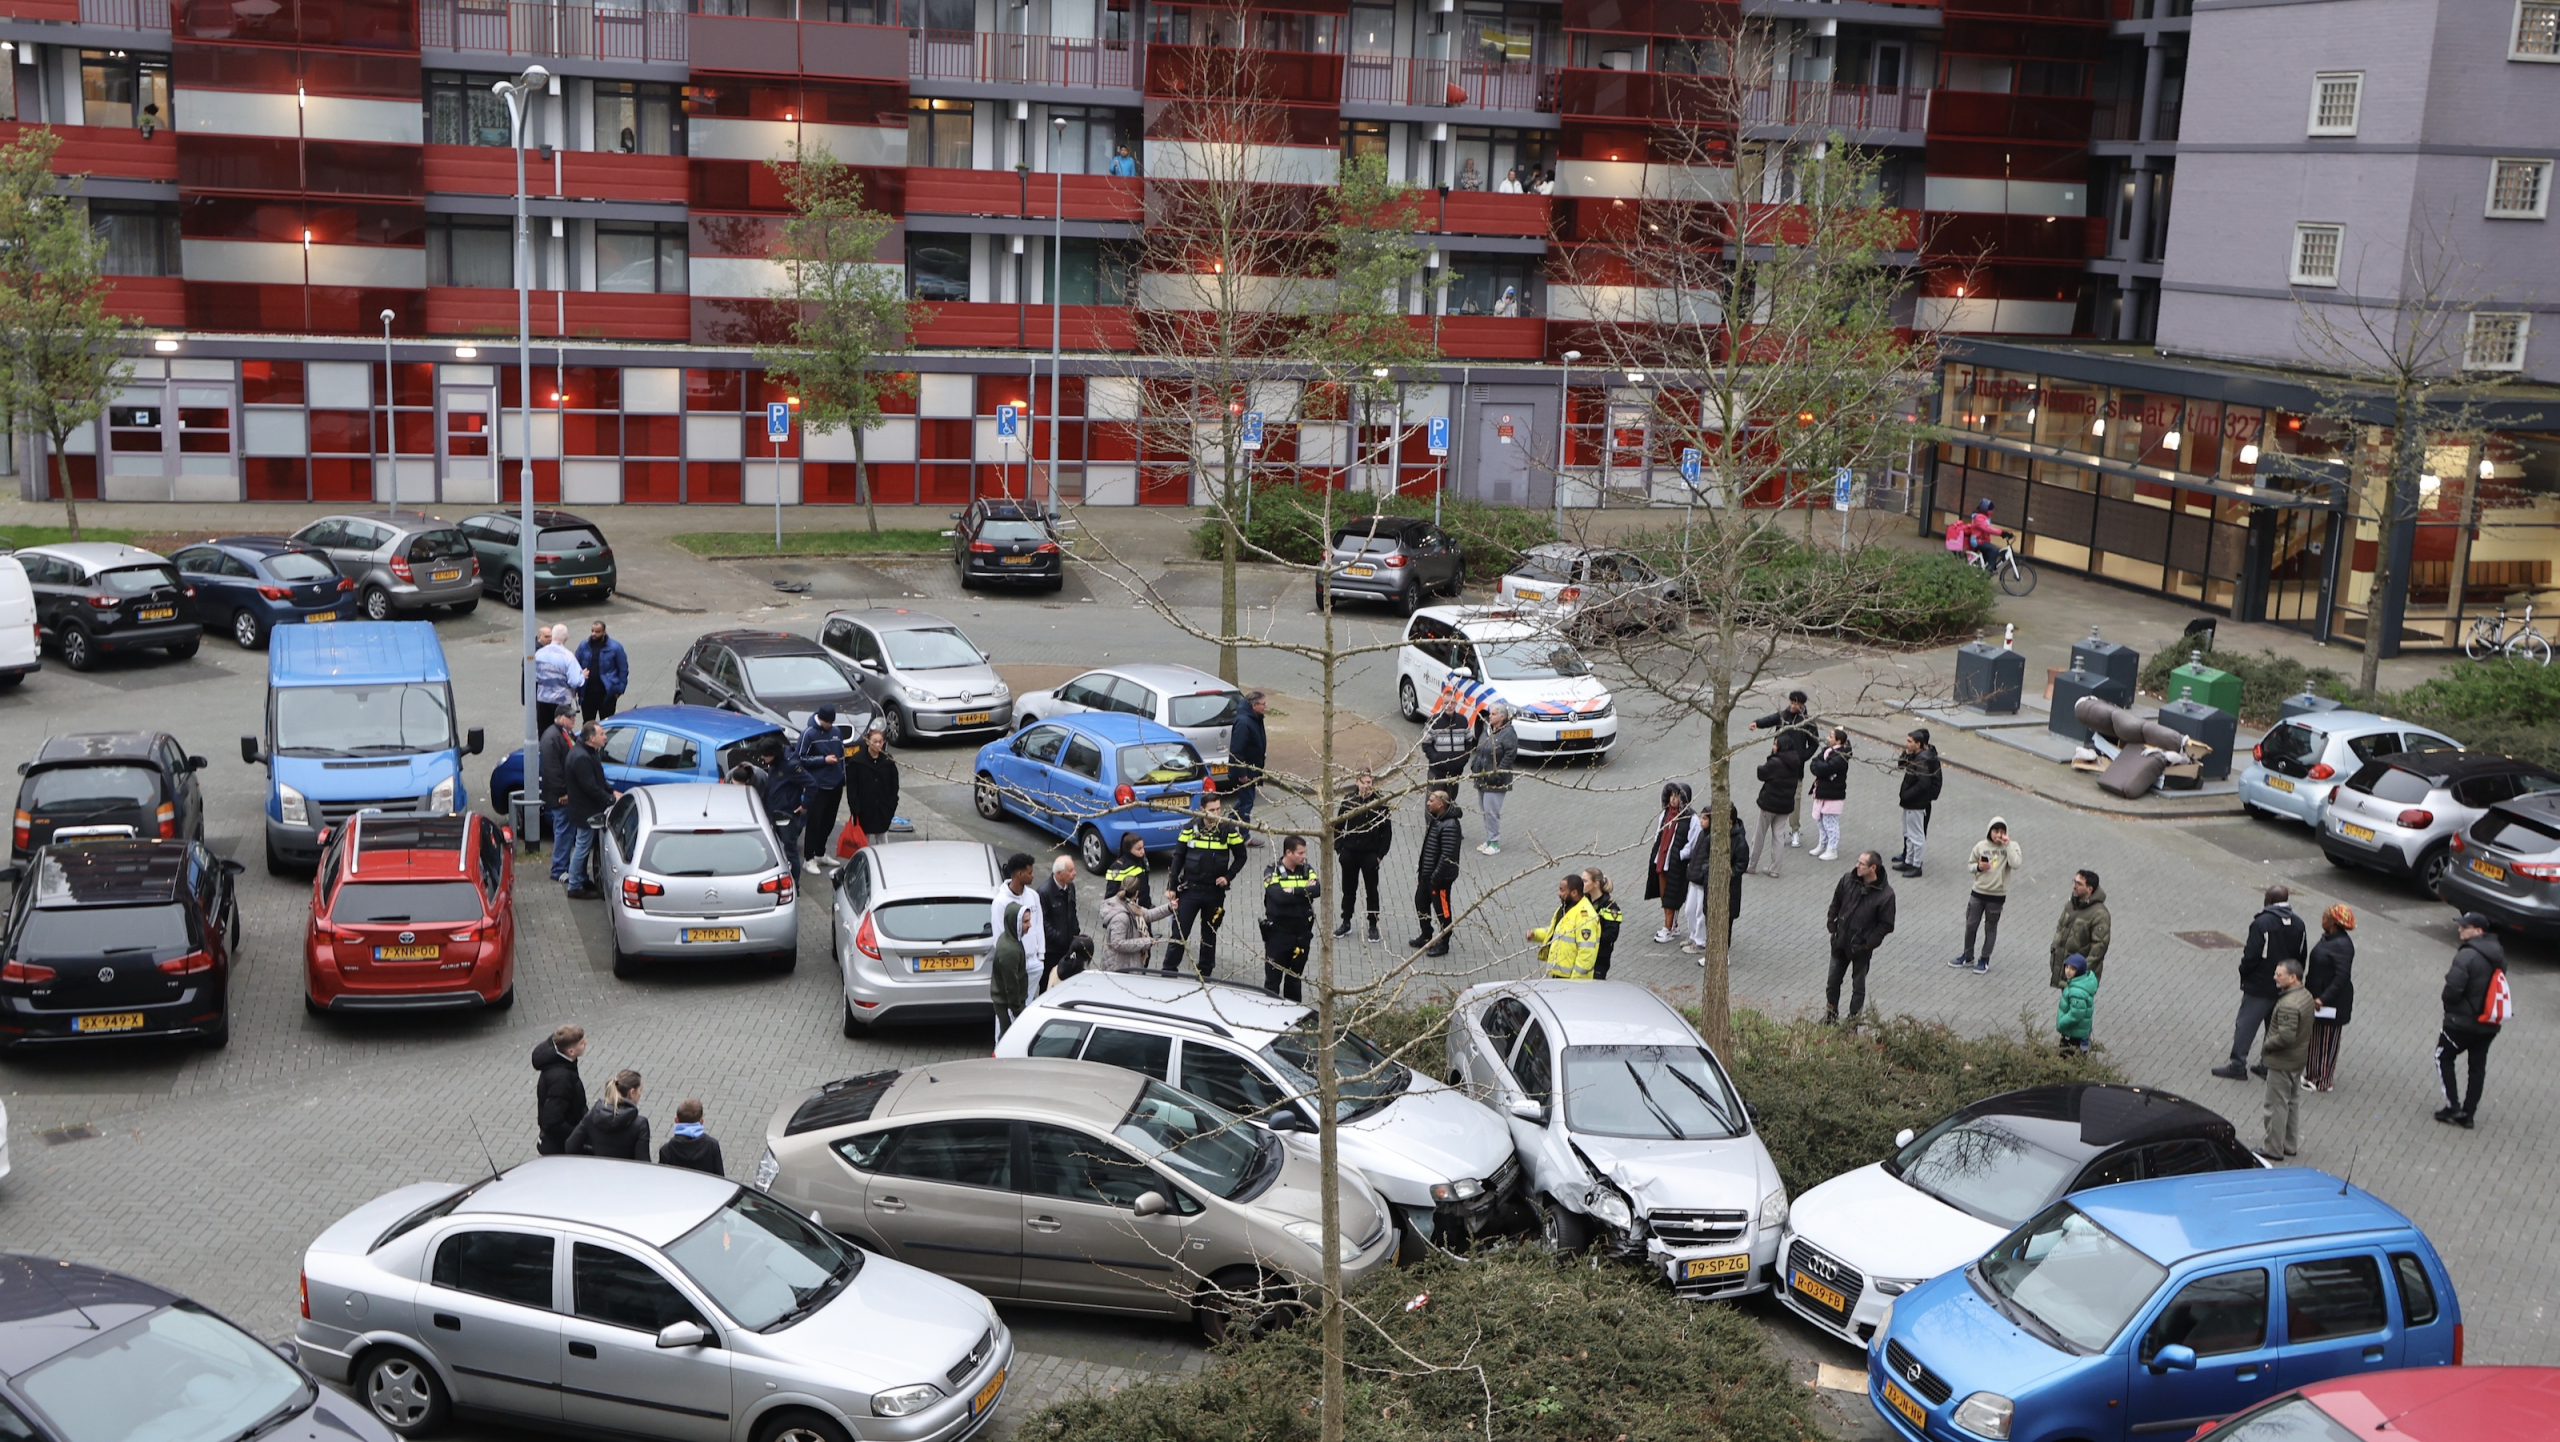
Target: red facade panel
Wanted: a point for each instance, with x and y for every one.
(149, 299)
(113, 150)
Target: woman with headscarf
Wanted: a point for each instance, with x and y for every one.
(2332, 984)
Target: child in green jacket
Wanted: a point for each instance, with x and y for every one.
(2078, 1009)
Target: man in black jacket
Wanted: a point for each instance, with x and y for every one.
(690, 1145)
(1207, 854)
(1058, 922)
(1781, 777)
(1799, 736)
(870, 788)
(1436, 870)
(2275, 934)
(2475, 1006)
(1290, 891)
(590, 797)
(559, 1098)
(1861, 917)
(1248, 749)
(1922, 778)
(558, 740)
(1363, 830)
(820, 752)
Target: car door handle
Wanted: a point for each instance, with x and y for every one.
(448, 1321)
(2246, 1374)
(1044, 1224)
(582, 1349)
(889, 1204)
(2373, 1354)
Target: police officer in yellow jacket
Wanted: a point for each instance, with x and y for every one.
(1290, 890)
(1128, 872)
(1207, 855)
(1570, 944)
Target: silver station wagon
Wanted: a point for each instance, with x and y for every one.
(589, 1295)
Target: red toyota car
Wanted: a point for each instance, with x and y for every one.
(2418, 1404)
(412, 913)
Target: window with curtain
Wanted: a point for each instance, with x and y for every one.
(141, 238)
(638, 118)
(463, 110)
(938, 132)
(640, 258)
(471, 251)
(119, 87)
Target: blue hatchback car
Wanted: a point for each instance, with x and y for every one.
(249, 585)
(2150, 1308)
(655, 745)
(1094, 777)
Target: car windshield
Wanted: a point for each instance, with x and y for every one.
(1530, 660)
(938, 921)
(180, 1374)
(439, 546)
(1672, 1093)
(400, 719)
(1534, 567)
(1982, 1168)
(2070, 1277)
(1203, 708)
(939, 648)
(2295, 1419)
(795, 676)
(1201, 1143)
(762, 1263)
(105, 931)
(1159, 763)
(135, 580)
(707, 853)
(1012, 531)
(421, 903)
(1368, 1079)
(300, 566)
(569, 538)
(72, 789)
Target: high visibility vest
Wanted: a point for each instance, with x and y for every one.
(1127, 876)
(1571, 943)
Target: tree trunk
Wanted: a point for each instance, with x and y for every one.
(1328, 1086)
(861, 483)
(2399, 496)
(62, 473)
(1715, 979)
(1227, 569)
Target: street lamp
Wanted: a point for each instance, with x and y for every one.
(1057, 297)
(1564, 420)
(519, 94)
(390, 418)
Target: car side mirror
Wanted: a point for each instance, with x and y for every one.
(474, 741)
(950, 535)
(507, 834)
(288, 1351)
(683, 1334)
(1903, 1138)
(232, 868)
(2176, 1357)
(1151, 1204)
(1285, 1119)
(197, 763)
(1530, 1112)
(871, 666)
(249, 750)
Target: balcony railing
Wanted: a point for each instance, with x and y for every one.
(1469, 84)
(529, 27)
(1837, 107)
(125, 14)
(1021, 59)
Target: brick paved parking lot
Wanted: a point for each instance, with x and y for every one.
(209, 1171)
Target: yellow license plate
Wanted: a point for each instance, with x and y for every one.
(973, 718)
(321, 616)
(2360, 833)
(946, 963)
(444, 575)
(2489, 869)
(1579, 733)
(109, 1021)
(2281, 784)
(712, 933)
(1170, 801)
(1716, 1266)
(1900, 1401)
(1217, 768)
(1359, 570)
(582, 580)
(1820, 1293)
(156, 613)
(986, 1397)
(407, 953)
(1529, 595)
(1020, 560)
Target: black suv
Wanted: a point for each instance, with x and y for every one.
(1007, 543)
(773, 676)
(119, 938)
(140, 780)
(93, 597)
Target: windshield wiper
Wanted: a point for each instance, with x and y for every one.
(1713, 1109)
(817, 1297)
(2017, 1311)
(292, 1408)
(282, 750)
(1651, 1105)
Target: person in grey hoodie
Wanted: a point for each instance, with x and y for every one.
(1994, 860)
(613, 1127)
(1490, 770)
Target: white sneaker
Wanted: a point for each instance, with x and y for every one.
(1691, 948)
(1794, 839)
(1663, 937)
(812, 867)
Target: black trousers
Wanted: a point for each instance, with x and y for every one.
(2254, 1011)
(818, 831)
(1982, 912)
(1209, 905)
(2463, 1041)
(1853, 965)
(544, 713)
(1431, 904)
(1284, 966)
(1356, 869)
(600, 703)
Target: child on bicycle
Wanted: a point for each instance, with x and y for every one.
(1976, 533)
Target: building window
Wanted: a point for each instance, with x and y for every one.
(937, 266)
(121, 88)
(2336, 96)
(2519, 189)
(471, 250)
(638, 118)
(640, 259)
(1084, 145)
(463, 110)
(1094, 272)
(938, 132)
(2494, 340)
(141, 238)
(2537, 34)
(2315, 253)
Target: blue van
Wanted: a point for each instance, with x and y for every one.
(2150, 1308)
(359, 718)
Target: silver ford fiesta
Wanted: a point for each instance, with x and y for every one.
(581, 1294)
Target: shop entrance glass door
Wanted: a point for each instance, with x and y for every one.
(464, 460)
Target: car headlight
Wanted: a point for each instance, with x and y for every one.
(440, 800)
(1884, 1323)
(1312, 1233)
(1465, 1189)
(289, 804)
(1896, 1286)
(1985, 1414)
(1773, 1209)
(768, 1167)
(1611, 1206)
(906, 1401)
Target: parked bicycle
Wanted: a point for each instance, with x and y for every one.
(2015, 577)
(2522, 646)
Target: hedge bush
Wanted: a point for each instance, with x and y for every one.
(2266, 679)
(1288, 523)
(2492, 707)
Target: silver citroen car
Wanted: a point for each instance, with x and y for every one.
(913, 932)
(692, 873)
(588, 1295)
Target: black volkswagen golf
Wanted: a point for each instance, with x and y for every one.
(119, 938)
(99, 781)
(1008, 544)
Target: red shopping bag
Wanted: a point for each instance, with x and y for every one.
(850, 840)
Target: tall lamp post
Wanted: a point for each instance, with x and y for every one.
(390, 418)
(1057, 299)
(519, 94)
(1564, 423)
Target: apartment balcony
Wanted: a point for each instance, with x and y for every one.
(1477, 212)
(147, 299)
(1290, 76)
(116, 14)
(1444, 84)
(107, 150)
(570, 31)
(1060, 60)
(1640, 95)
(1826, 106)
(614, 315)
(1486, 337)
(963, 325)
(582, 174)
(2121, 120)
(1007, 193)
(753, 46)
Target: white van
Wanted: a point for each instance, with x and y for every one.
(21, 653)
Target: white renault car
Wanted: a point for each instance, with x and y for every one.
(1631, 1131)
(913, 932)
(1441, 1159)
(1474, 656)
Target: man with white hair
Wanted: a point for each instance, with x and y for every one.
(1490, 773)
(1058, 921)
(557, 676)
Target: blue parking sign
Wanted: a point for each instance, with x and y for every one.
(1840, 489)
(1690, 462)
(1437, 436)
(1252, 431)
(1008, 422)
(777, 422)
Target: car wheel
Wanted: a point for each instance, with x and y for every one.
(1320, 594)
(185, 648)
(852, 1028)
(800, 1427)
(506, 999)
(623, 963)
(2256, 812)
(1563, 1232)
(401, 1392)
(2340, 862)
(1406, 701)
(786, 962)
(246, 629)
(1409, 600)
(217, 1036)
(465, 608)
(1093, 851)
(990, 801)
(276, 864)
(311, 1005)
(893, 725)
(1057, 584)
(511, 590)
(377, 604)
(2432, 865)
(78, 651)
(1242, 1302)
(1457, 584)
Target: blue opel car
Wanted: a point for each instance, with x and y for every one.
(2151, 1308)
(249, 585)
(1094, 777)
(655, 745)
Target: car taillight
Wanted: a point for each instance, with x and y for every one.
(2537, 870)
(633, 888)
(19, 830)
(2258, 752)
(1391, 559)
(1123, 796)
(304, 1283)
(545, 558)
(189, 964)
(468, 933)
(348, 938)
(21, 971)
(2457, 1344)
(191, 593)
(168, 822)
(865, 939)
(1046, 548)
(346, 583)
(1570, 593)
(987, 546)
(400, 568)
(105, 603)
(274, 593)
(2456, 843)
(2322, 772)
(2416, 819)
(777, 887)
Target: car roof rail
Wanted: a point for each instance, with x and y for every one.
(1211, 1027)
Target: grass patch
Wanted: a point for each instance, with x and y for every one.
(812, 543)
(16, 536)
(2491, 707)
(2266, 679)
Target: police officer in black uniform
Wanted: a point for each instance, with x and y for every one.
(1129, 872)
(1290, 890)
(1206, 857)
